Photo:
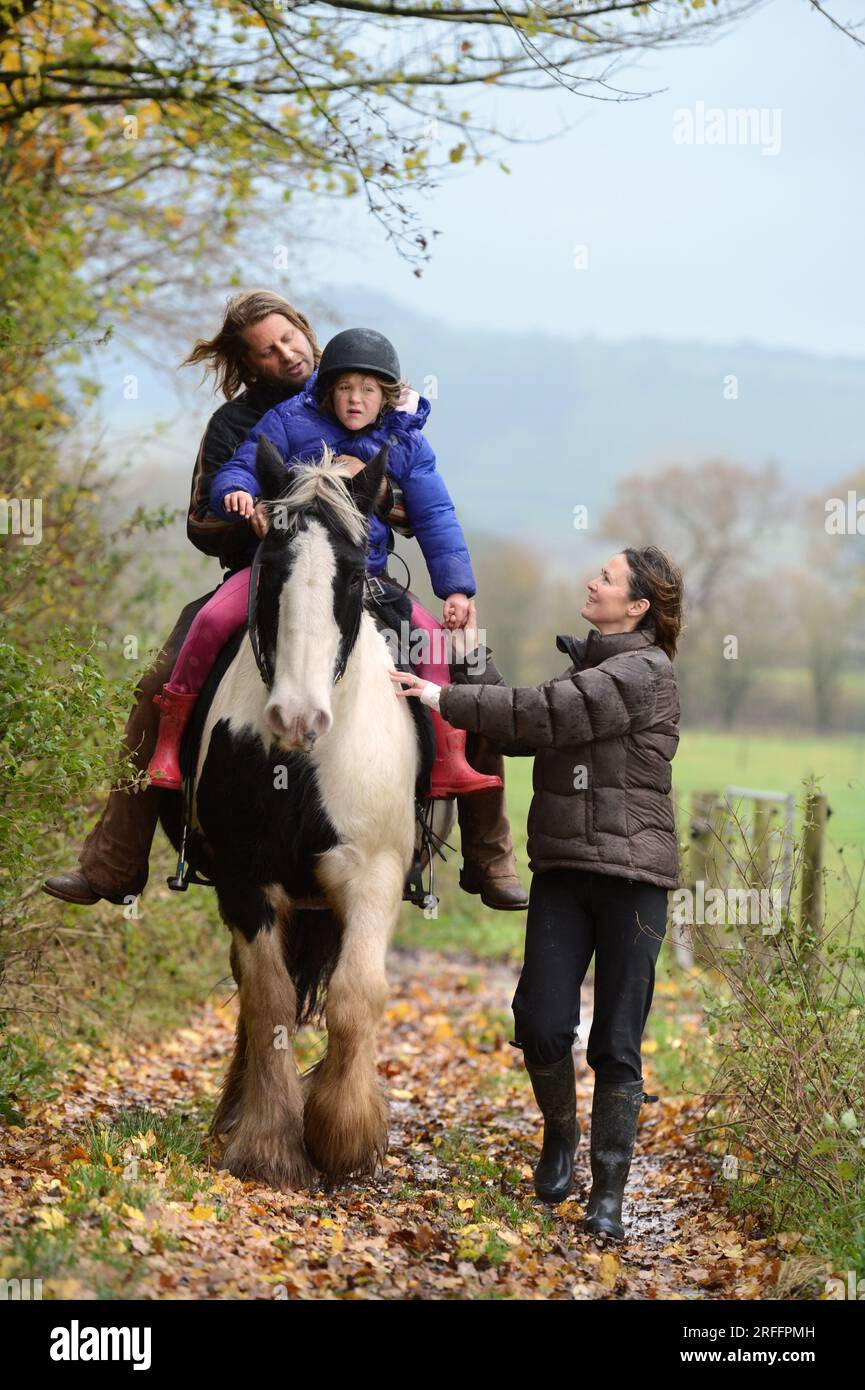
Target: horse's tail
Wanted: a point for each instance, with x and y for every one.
(312, 947)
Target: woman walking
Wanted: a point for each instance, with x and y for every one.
(602, 850)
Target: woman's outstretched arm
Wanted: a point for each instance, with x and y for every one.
(480, 670)
(601, 702)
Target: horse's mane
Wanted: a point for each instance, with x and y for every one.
(324, 481)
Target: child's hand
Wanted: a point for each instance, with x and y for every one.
(466, 639)
(239, 502)
(456, 610)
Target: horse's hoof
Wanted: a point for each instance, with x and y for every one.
(284, 1172)
(341, 1149)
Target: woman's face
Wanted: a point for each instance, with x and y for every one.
(357, 400)
(609, 605)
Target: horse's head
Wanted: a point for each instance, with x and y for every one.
(311, 585)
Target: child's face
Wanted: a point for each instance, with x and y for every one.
(357, 400)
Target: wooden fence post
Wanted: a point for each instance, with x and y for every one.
(813, 906)
(679, 936)
(702, 868)
(758, 850)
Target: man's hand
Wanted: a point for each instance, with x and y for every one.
(260, 519)
(355, 465)
(409, 399)
(456, 610)
(239, 502)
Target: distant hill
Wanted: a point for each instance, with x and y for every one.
(526, 427)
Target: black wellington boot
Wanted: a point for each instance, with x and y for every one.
(555, 1089)
(615, 1110)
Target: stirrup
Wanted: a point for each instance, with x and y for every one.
(186, 873)
(414, 891)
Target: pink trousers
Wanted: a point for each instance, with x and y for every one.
(223, 614)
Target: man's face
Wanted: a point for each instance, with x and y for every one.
(609, 606)
(278, 352)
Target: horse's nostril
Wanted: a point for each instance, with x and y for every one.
(301, 730)
(277, 720)
(321, 722)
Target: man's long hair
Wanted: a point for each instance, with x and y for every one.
(224, 355)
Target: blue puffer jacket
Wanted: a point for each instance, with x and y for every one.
(299, 428)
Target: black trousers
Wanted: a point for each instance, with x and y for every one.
(575, 914)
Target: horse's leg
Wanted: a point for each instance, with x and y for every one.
(345, 1116)
(228, 1110)
(231, 1097)
(266, 1144)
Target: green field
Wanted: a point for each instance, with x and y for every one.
(708, 761)
(705, 761)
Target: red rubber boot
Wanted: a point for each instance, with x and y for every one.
(451, 774)
(164, 766)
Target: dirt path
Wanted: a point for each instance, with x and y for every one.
(111, 1189)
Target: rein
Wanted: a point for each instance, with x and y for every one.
(252, 619)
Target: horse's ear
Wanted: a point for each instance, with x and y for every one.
(272, 472)
(367, 482)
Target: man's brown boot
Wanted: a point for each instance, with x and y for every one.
(113, 861)
(489, 867)
(71, 888)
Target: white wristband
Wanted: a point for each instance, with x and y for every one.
(430, 695)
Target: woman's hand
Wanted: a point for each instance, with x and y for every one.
(405, 683)
(239, 502)
(456, 610)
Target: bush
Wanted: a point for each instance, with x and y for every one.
(785, 1107)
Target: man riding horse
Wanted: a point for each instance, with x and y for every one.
(265, 351)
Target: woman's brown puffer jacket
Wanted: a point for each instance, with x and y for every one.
(603, 735)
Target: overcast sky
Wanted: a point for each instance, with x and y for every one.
(711, 242)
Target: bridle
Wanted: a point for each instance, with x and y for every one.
(373, 587)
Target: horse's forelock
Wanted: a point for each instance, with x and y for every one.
(324, 482)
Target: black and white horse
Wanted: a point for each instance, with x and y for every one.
(305, 789)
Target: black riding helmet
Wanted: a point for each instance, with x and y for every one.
(357, 350)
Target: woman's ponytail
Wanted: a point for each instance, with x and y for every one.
(655, 577)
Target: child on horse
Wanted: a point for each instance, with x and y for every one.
(352, 406)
